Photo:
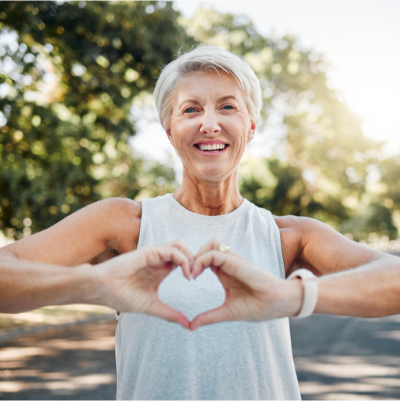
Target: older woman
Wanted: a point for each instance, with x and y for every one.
(209, 102)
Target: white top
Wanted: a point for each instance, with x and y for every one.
(157, 359)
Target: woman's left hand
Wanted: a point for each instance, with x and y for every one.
(252, 294)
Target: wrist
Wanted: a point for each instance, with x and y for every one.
(89, 284)
(294, 297)
(309, 282)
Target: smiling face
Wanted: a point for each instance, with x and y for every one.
(210, 124)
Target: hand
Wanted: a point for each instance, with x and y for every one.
(252, 294)
(131, 280)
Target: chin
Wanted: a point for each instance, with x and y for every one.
(213, 174)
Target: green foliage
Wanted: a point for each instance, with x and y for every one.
(69, 72)
(317, 165)
(390, 174)
(287, 191)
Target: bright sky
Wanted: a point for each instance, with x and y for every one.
(360, 40)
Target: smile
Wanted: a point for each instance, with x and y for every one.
(219, 147)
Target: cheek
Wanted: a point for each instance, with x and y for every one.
(245, 120)
(239, 124)
(182, 132)
(175, 123)
(183, 128)
(176, 129)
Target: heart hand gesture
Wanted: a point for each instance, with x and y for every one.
(130, 281)
(252, 294)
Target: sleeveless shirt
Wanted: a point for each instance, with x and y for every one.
(239, 360)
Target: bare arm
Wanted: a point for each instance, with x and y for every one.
(355, 280)
(104, 228)
(49, 268)
(128, 283)
(27, 285)
(370, 290)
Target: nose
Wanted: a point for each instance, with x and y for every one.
(209, 124)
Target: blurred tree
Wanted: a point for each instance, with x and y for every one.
(316, 168)
(389, 169)
(71, 71)
(387, 199)
(68, 74)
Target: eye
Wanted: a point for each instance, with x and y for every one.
(190, 110)
(228, 107)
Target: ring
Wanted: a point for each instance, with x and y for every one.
(224, 248)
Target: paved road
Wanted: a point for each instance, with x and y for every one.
(73, 362)
(335, 357)
(340, 358)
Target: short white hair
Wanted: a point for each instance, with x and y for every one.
(206, 59)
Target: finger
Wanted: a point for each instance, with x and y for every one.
(210, 258)
(182, 246)
(158, 254)
(172, 315)
(214, 245)
(232, 265)
(216, 315)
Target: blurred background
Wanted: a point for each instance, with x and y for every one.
(77, 124)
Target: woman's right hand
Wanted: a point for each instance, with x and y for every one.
(130, 281)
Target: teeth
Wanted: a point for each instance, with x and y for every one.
(218, 146)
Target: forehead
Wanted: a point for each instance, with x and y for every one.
(206, 85)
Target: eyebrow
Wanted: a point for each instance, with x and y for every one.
(188, 101)
(227, 98)
(194, 100)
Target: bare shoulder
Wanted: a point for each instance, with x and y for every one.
(290, 230)
(302, 226)
(124, 224)
(312, 244)
(96, 229)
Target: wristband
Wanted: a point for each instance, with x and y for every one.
(310, 291)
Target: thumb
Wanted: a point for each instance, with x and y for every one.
(220, 314)
(165, 312)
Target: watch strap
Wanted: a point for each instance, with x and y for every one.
(310, 291)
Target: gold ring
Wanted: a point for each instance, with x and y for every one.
(224, 248)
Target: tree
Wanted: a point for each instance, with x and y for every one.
(317, 168)
(69, 73)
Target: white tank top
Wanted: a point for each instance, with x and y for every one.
(239, 360)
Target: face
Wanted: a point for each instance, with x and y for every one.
(209, 111)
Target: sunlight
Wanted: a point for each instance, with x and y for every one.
(23, 353)
(377, 102)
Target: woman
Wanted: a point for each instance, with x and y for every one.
(209, 102)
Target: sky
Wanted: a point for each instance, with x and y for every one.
(359, 39)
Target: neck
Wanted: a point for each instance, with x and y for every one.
(209, 198)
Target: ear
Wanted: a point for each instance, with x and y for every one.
(252, 130)
(170, 137)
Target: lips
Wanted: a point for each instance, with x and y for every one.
(211, 143)
(212, 152)
(218, 146)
